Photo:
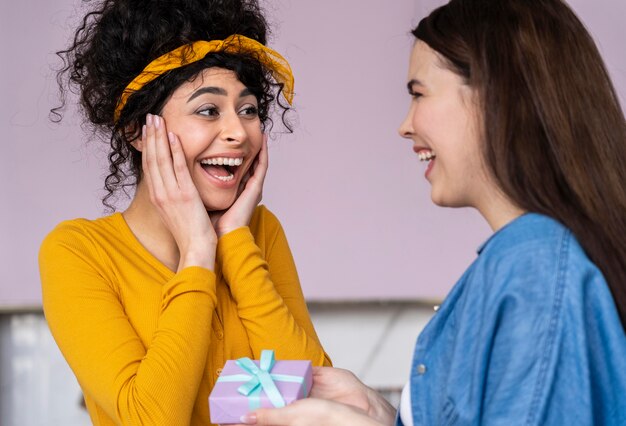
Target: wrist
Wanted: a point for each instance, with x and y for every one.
(227, 230)
(379, 408)
(204, 258)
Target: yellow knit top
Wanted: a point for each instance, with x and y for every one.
(147, 344)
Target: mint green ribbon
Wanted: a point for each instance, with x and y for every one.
(260, 379)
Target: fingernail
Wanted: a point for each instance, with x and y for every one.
(149, 119)
(171, 138)
(157, 121)
(248, 419)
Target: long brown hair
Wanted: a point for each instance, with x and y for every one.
(554, 131)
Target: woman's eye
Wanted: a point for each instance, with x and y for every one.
(250, 111)
(208, 111)
(414, 94)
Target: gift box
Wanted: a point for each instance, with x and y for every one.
(245, 385)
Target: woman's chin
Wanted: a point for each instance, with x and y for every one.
(438, 199)
(218, 204)
(442, 199)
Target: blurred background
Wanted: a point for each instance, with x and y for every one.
(374, 255)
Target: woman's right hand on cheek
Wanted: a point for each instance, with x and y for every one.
(175, 196)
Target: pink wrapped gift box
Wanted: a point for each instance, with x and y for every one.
(291, 380)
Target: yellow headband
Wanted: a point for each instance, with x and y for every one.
(185, 55)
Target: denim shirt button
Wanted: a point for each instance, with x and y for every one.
(421, 369)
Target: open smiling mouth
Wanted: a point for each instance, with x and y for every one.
(222, 168)
(426, 155)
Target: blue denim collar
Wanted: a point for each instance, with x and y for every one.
(503, 230)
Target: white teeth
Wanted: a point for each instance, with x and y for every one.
(223, 161)
(225, 178)
(426, 155)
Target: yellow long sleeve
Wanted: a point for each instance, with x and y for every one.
(147, 344)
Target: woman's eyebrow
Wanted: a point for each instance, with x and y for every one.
(216, 91)
(245, 92)
(208, 89)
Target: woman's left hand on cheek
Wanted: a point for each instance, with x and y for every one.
(250, 195)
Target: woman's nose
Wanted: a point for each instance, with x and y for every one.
(406, 127)
(233, 130)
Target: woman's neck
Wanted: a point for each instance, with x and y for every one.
(144, 221)
(498, 210)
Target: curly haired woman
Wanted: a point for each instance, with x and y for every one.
(147, 305)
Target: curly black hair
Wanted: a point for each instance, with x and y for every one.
(116, 41)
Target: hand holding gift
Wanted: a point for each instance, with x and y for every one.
(247, 385)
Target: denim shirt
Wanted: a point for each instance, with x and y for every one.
(529, 335)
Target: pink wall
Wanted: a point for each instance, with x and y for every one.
(349, 191)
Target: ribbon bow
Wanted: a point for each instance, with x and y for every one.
(260, 379)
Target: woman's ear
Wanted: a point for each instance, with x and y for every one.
(137, 143)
